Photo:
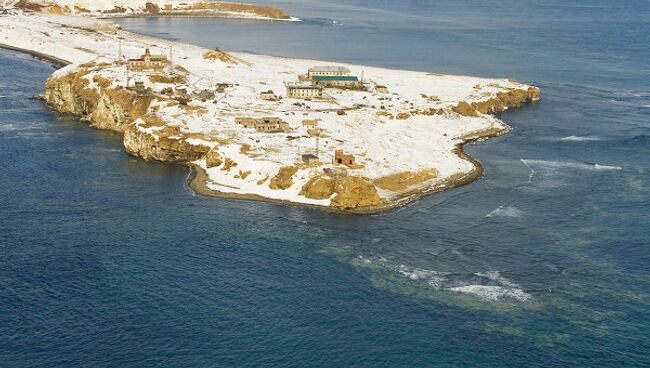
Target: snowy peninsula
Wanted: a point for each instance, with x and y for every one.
(350, 138)
(125, 8)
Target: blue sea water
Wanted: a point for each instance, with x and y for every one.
(107, 260)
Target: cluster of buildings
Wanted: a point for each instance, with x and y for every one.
(264, 125)
(320, 77)
(310, 86)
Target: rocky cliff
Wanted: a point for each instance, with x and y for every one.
(116, 109)
(154, 147)
(502, 101)
(106, 108)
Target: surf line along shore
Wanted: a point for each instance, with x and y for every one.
(354, 145)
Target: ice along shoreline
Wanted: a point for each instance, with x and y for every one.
(464, 115)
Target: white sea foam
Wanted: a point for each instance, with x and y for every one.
(575, 138)
(569, 165)
(606, 167)
(17, 127)
(505, 211)
(431, 278)
(488, 286)
(491, 292)
(504, 288)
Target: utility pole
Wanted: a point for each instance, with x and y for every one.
(171, 63)
(119, 51)
(299, 155)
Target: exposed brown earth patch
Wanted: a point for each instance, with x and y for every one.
(405, 180)
(283, 179)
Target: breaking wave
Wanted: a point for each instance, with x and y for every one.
(575, 138)
(488, 286)
(18, 127)
(569, 165)
(491, 293)
(322, 22)
(505, 211)
(504, 288)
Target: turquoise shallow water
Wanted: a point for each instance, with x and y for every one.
(107, 260)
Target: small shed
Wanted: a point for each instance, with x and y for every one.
(313, 123)
(341, 158)
(381, 89)
(268, 96)
(310, 159)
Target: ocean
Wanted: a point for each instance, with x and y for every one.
(107, 260)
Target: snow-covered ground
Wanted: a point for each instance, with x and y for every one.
(382, 144)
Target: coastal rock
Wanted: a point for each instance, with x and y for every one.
(110, 109)
(355, 192)
(213, 158)
(465, 109)
(351, 191)
(70, 94)
(502, 101)
(318, 187)
(149, 147)
(151, 8)
(117, 108)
